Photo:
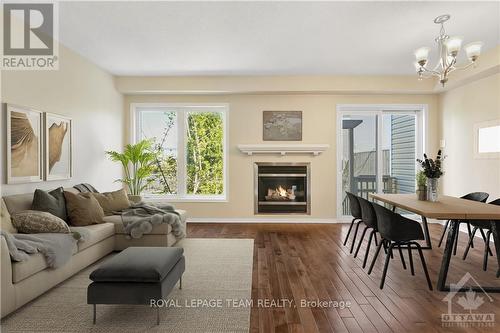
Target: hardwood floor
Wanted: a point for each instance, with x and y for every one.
(302, 262)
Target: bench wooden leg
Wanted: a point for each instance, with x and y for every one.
(157, 316)
(180, 283)
(94, 314)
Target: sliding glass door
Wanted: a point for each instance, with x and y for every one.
(378, 151)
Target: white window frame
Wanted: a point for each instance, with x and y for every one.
(420, 110)
(182, 109)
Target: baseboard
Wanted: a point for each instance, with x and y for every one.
(278, 219)
(265, 220)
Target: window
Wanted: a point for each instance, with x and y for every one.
(190, 142)
(487, 139)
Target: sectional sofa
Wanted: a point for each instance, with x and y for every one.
(23, 281)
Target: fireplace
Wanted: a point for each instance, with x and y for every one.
(282, 188)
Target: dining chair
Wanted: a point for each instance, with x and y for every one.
(356, 218)
(398, 231)
(482, 225)
(474, 196)
(370, 220)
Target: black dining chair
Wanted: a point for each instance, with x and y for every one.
(370, 220)
(356, 218)
(397, 231)
(482, 225)
(474, 196)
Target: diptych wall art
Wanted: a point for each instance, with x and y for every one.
(282, 125)
(24, 145)
(39, 145)
(58, 149)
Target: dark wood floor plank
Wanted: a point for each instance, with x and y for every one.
(309, 262)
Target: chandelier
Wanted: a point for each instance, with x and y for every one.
(448, 48)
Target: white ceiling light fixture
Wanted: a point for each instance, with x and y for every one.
(448, 48)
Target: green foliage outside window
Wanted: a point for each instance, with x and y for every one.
(205, 153)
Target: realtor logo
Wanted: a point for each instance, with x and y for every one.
(29, 36)
(471, 301)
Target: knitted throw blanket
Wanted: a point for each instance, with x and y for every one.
(140, 218)
(56, 248)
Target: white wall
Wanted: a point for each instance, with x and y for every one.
(84, 92)
(460, 109)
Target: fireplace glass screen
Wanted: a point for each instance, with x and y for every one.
(282, 188)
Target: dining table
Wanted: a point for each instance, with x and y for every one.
(452, 209)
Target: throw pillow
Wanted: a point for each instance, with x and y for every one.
(51, 202)
(112, 201)
(33, 221)
(83, 209)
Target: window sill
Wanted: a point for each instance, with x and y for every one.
(206, 199)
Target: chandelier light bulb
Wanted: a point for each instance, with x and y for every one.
(473, 50)
(422, 55)
(453, 45)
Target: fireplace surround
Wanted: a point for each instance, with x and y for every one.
(282, 188)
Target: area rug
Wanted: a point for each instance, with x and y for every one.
(215, 288)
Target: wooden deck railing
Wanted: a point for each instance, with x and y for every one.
(364, 185)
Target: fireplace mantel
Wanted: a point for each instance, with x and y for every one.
(283, 149)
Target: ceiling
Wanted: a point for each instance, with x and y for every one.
(266, 38)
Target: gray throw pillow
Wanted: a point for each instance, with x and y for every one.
(52, 202)
(33, 222)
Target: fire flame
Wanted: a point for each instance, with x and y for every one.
(281, 191)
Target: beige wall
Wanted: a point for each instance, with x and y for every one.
(83, 91)
(460, 109)
(245, 127)
(86, 93)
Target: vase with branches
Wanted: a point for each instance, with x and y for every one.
(432, 169)
(138, 162)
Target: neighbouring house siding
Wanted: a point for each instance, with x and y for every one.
(403, 152)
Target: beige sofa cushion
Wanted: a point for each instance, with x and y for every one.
(95, 234)
(24, 269)
(5, 221)
(36, 263)
(112, 201)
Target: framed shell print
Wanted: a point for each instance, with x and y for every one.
(24, 144)
(58, 147)
(282, 125)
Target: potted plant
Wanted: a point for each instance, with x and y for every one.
(421, 185)
(137, 161)
(432, 170)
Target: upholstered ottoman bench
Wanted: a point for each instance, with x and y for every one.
(137, 275)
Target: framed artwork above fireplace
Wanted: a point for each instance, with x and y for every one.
(282, 125)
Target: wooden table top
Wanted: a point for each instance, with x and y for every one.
(446, 208)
